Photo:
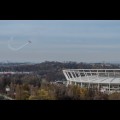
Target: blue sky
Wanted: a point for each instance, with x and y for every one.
(60, 40)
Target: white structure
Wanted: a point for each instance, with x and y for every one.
(7, 73)
(7, 89)
(105, 80)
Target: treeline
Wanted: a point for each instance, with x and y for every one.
(47, 91)
(33, 87)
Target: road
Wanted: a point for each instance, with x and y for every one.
(6, 97)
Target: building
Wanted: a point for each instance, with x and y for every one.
(105, 80)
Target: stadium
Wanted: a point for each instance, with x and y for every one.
(105, 80)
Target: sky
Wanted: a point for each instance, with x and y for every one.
(60, 40)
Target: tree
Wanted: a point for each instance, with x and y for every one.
(19, 92)
(25, 95)
(42, 94)
(114, 96)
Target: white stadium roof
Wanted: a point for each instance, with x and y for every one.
(99, 77)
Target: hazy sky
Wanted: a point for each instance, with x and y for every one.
(60, 40)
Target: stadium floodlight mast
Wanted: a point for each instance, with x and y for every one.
(16, 49)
